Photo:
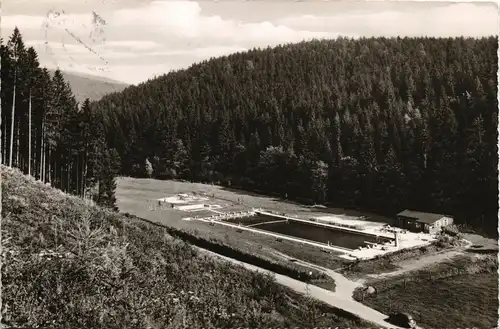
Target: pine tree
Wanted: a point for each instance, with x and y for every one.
(95, 147)
(319, 178)
(32, 72)
(148, 168)
(43, 92)
(17, 50)
(107, 183)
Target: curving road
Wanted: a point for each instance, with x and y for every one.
(341, 298)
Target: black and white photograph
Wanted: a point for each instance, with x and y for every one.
(182, 164)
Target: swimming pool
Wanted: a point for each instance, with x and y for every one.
(311, 231)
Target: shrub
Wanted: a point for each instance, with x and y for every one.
(451, 230)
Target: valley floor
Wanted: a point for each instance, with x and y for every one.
(132, 193)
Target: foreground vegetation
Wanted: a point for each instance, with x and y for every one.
(375, 123)
(71, 264)
(465, 290)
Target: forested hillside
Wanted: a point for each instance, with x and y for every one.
(45, 134)
(380, 124)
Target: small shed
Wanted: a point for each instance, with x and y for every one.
(417, 221)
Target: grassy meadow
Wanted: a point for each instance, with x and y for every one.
(459, 293)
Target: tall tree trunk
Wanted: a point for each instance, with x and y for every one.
(1, 136)
(42, 154)
(61, 175)
(18, 148)
(12, 119)
(56, 172)
(29, 135)
(50, 167)
(84, 173)
(77, 174)
(44, 164)
(1, 162)
(68, 172)
(3, 142)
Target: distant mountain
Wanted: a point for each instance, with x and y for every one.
(93, 87)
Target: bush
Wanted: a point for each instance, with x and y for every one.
(451, 230)
(446, 241)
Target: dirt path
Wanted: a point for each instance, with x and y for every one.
(424, 261)
(419, 263)
(341, 298)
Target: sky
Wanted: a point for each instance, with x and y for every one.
(133, 40)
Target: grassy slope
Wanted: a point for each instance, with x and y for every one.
(461, 293)
(69, 264)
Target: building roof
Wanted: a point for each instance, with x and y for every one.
(422, 217)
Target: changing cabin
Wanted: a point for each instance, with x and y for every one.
(417, 221)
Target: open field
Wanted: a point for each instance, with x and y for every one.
(133, 192)
(464, 288)
(149, 198)
(467, 301)
(481, 244)
(133, 196)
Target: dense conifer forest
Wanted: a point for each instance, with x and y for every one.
(381, 124)
(46, 133)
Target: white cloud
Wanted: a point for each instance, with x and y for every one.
(132, 44)
(453, 20)
(21, 21)
(58, 46)
(54, 19)
(185, 19)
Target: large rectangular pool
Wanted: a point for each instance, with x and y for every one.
(311, 231)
